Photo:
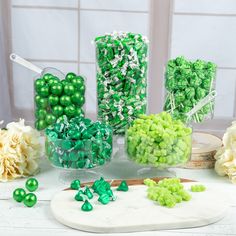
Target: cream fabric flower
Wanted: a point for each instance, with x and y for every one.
(20, 151)
(226, 155)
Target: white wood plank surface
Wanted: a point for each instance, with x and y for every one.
(19, 220)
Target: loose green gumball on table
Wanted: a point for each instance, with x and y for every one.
(32, 184)
(30, 200)
(19, 194)
(55, 97)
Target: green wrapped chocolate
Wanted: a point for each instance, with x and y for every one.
(55, 97)
(188, 84)
(78, 143)
(121, 78)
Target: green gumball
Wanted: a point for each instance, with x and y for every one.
(76, 98)
(50, 119)
(19, 194)
(57, 110)
(53, 100)
(82, 89)
(31, 184)
(70, 76)
(40, 114)
(79, 112)
(44, 91)
(40, 124)
(39, 83)
(69, 89)
(56, 89)
(65, 100)
(30, 200)
(47, 77)
(42, 103)
(70, 110)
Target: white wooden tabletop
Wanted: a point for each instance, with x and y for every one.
(15, 219)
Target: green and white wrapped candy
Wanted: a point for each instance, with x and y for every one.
(187, 83)
(121, 78)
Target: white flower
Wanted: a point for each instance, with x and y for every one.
(20, 151)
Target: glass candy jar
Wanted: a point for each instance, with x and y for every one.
(122, 62)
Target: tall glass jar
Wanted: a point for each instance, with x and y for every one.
(122, 60)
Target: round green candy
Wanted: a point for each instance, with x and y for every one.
(50, 119)
(37, 98)
(30, 200)
(70, 110)
(69, 89)
(39, 83)
(77, 98)
(47, 77)
(31, 184)
(43, 91)
(19, 194)
(82, 89)
(77, 81)
(40, 124)
(53, 80)
(79, 112)
(70, 76)
(56, 89)
(57, 110)
(40, 113)
(53, 100)
(65, 100)
(42, 102)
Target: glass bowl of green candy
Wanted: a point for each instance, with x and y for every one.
(78, 143)
(158, 140)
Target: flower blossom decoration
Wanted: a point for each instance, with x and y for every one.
(20, 151)
(226, 155)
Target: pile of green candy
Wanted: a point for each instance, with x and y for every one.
(101, 188)
(121, 78)
(187, 83)
(167, 192)
(198, 188)
(29, 199)
(55, 98)
(158, 140)
(78, 143)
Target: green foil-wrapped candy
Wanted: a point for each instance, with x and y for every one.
(187, 83)
(55, 97)
(75, 184)
(121, 78)
(123, 186)
(87, 206)
(78, 143)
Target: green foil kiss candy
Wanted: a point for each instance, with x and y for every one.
(75, 184)
(80, 196)
(104, 199)
(123, 186)
(87, 206)
(88, 193)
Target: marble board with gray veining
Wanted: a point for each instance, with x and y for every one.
(132, 211)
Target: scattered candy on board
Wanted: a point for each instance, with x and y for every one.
(75, 184)
(121, 78)
(29, 199)
(198, 188)
(78, 143)
(187, 83)
(55, 98)
(158, 140)
(101, 188)
(167, 192)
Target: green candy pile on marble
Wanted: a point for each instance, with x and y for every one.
(167, 192)
(188, 82)
(55, 98)
(121, 78)
(78, 143)
(158, 140)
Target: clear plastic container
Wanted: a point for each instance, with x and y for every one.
(55, 96)
(188, 84)
(122, 61)
(80, 154)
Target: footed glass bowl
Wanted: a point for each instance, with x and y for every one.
(79, 154)
(158, 141)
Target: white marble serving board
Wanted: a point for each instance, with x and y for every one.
(133, 211)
